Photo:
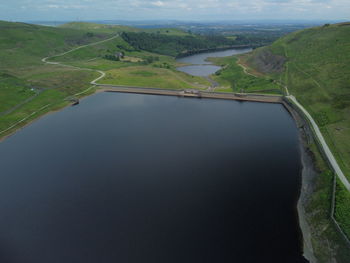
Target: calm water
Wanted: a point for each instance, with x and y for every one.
(203, 68)
(140, 178)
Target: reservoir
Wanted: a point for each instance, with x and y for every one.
(201, 67)
(133, 178)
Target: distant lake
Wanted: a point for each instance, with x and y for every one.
(140, 178)
(203, 68)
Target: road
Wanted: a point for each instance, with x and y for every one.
(331, 159)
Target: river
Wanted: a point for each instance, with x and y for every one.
(203, 68)
(142, 178)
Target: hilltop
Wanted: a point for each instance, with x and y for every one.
(99, 28)
(94, 27)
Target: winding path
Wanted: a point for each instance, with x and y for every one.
(102, 74)
(45, 60)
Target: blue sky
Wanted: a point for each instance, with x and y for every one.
(56, 10)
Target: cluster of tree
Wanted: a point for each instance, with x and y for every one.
(255, 40)
(150, 59)
(111, 57)
(162, 65)
(121, 47)
(175, 45)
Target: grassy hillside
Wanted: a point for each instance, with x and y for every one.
(316, 70)
(26, 83)
(314, 65)
(154, 77)
(23, 45)
(13, 91)
(232, 78)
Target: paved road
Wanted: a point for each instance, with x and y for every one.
(333, 162)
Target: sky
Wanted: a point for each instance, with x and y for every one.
(188, 10)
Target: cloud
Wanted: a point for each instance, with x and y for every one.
(158, 3)
(173, 9)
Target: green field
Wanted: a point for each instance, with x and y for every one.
(142, 76)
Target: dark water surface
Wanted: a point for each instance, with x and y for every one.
(142, 178)
(201, 67)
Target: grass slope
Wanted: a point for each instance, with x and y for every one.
(13, 91)
(232, 78)
(22, 46)
(143, 76)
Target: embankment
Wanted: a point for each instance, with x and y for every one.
(322, 240)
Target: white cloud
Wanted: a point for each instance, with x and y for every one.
(174, 9)
(158, 3)
(53, 6)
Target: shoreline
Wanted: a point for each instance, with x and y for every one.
(54, 108)
(308, 175)
(150, 91)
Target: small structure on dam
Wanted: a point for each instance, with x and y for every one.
(191, 93)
